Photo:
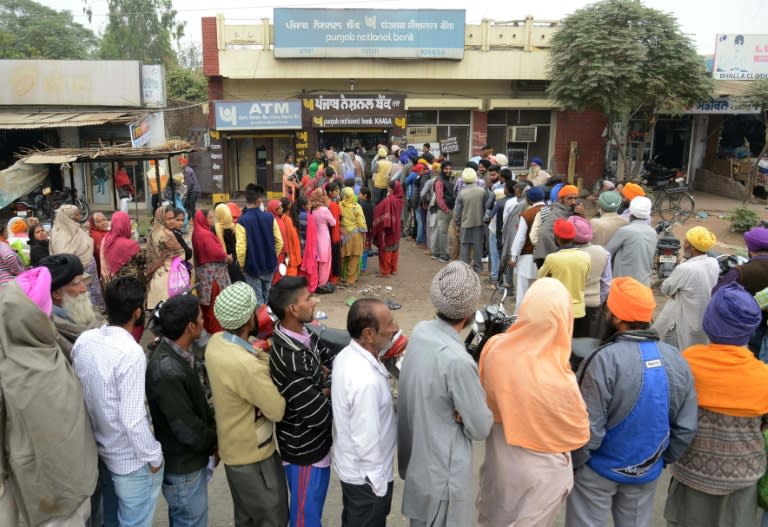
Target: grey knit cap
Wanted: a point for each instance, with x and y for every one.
(455, 290)
(235, 305)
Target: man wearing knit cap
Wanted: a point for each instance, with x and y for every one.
(468, 215)
(47, 449)
(542, 230)
(715, 482)
(247, 406)
(753, 275)
(441, 407)
(633, 246)
(606, 225)
(380, 168)
(569, 265)
(598, 281)
(689, 288)
(519, 253)
(642, 412)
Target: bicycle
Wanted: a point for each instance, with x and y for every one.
(672, 202)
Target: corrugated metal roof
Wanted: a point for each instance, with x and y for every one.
(36, 120)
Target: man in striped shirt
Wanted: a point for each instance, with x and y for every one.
(299, 367)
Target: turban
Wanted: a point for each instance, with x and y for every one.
(640, 207)
(36, 284)
(757, 239)
(469, 176)
(64, 268)
(568, 190)
(183, 161)
(501, 160)
(631, 301)
(235, 305)
(537, 161)
(609, 201)
(701, 238)
(535, 194)
(472, 165)
(419, 168)
(554, 192)
(583, 229)
(455, 290)
(382, 152)
(564, 229)
(632, 190)
(732, 316)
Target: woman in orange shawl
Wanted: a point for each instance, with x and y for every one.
(275, 208)
(538, 412)
(291, 241)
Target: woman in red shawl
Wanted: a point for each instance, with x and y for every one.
(386, 229)
(333, 190)
(98, 226)
(291, 241)
(211, 268)
(276, 209)
(120, 254)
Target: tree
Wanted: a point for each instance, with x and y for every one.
(141, 30)
(185, 84)
(627, 61)
(29, 30)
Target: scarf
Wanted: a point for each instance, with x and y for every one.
(68, 237)
(205, 244)
(309, 261)
(118, 247)
(527, 377)
(291, 242)
(318, 198)
(336, 229)
(97, 234)
(273, 207)
(386, 219)
(728, 379)
(161, 243)
(224, 221)
(352, 216)
(234, 210)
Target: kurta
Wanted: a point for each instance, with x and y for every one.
(439, 378)
(632, 249)
(689, 285)
(325, 222)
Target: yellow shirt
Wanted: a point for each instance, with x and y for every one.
(571, 268)
(381, 177)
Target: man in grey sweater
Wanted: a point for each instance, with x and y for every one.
(468, 215)
(633, 246)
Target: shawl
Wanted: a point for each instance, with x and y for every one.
(234, 210)
(97, 234)
(527, 377)
(728, 379)
(386, 219)
(205, 244)
(119, 248)
(291, 242)
(352, 216)
(347, 166)
(161, 243)
(318, 198)
(224, 220)
(309, 261)
(68, 237)
(336, 229)
(272, 207)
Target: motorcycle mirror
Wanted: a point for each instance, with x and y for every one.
(479, 319)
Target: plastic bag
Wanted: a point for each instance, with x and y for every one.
(178, 277)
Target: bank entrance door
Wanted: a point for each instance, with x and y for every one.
(352, 138)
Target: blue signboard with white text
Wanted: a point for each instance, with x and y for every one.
(258, 115)
(369, 33)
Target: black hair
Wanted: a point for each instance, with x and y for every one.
(392, 184)
(451, 321)
(205, 212)
(178, 211)
(176, 313)
(365, 191)
(509, 187)
(484, 162)
(303, 164)
(123, 297)
(299, 205)
(31, 232)
(494, 167)
(286, 204)
(253, 193)
(218, 203)
(362, 315)
(333, 185)
(329, 171)
(288, 156)
(505, 173)
(427, 145)
(284, 293)
(637, 326)
(349, 182)
(446, 164)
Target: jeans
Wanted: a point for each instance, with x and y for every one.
(443, 224)
(187, 497)
(190, 202)
(261, 285)
(134, 497)
(494, 254)
(421, 233)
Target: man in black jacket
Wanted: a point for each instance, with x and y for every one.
(182, 415)
(299, 365)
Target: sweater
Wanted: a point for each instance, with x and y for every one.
(258, 242)
(247, 404)
(470, 207)
(182, 418)
(571, 268)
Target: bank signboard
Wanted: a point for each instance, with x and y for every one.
(356, 110)
(369, 33)
(258, 115)
(725, 105)
(741, 57)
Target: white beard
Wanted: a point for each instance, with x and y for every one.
(79, 308)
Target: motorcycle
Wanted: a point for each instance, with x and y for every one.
(727, 261)
(489, 321)
(658, 176)
(667, 250)
(43, 202)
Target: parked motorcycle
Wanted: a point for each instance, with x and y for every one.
(43, 202)
(667, 250)
(656, 175)
(727, 261)
(489, 321)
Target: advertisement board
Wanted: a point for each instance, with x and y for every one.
(153, 85)
(356, 110)
(258, 115)
(741, 57)
(369, 33)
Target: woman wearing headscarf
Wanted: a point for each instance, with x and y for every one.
(210, 268)
(68, 237)
(234, 210)
(162, 247)
(38, 244)
(276, 209)
(291, 242)
(324, 222)
(386, 229)
(224, 226)
(98, 228)
(347, 166)
(121, 255)
(353, 229)
(538, 412)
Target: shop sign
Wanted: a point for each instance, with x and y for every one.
(153, 85)
(356, 110)
(141, 132)
(449, 145)
(741, 57)
(726, 105)
(422, 134)
(369, 33)
(217, 160)
(258, 115)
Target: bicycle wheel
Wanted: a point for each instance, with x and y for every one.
(685, 207)
(676, 206)
(666, 206)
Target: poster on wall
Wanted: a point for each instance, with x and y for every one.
(741, 57)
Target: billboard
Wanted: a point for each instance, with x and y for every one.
(741, 57)
(356, 110)
(258, 115)
(369, 33)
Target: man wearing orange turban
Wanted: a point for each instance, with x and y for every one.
(542, 230)
(642, 413)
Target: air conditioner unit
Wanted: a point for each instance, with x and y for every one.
(521, 134)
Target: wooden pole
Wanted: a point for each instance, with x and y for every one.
(572, 154)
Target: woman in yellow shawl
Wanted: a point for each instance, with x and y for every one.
(224, 226)
(162, 247)
(353, 229)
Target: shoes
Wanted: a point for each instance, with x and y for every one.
(444, 259)
(325, 289)
(435, 257)
(484, 259)
(394, 306)
(428, 253)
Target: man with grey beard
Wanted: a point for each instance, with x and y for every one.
(73, 311)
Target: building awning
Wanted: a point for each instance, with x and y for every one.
(37, 120)
(443, 104)
(521, 104)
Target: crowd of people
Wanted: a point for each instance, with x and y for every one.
(97, 423)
